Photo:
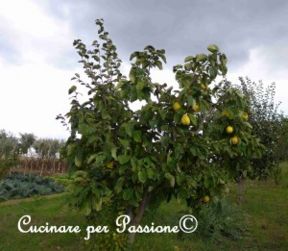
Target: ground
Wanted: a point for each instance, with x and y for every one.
(265, 216)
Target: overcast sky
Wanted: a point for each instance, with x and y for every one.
(37, 59)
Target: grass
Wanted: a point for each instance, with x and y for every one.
(265, 217)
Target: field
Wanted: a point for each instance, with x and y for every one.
(265, 217)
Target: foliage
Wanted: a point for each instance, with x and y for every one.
(47, 148)
(267, 124)
(65, 180)
(8, 152)
(18, 185)
(220, 218)
(26, 142)
(282, 146)
(175, 145)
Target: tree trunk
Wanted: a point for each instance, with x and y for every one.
(240, 190)
(138, 216)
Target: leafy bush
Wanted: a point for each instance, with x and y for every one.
(18, 185)
(219, 219)
(65, 179)
(181, 143)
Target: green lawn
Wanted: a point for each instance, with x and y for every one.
(265, 216)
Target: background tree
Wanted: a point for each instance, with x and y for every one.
(42, 147)
(9, 150)
(26, 142)
(267, 124)
(48, 148)
(48, 151)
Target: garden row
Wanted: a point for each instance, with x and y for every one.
(18, 185)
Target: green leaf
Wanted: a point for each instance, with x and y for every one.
(189, 58)
(190, 100)
(201, 57)
(248, 125)
(124, 142)
(179, 179)
(223, 59)
(133, 55)
(134, 164)
(171, 179)
(188, 66)
(132, 74)
(72, 89)
(105, 115)
(91, 158)
(129, 128)
(70, 149)
(140, 85)
(223, 69)
(137, 136)
(119, 185)
(159, 65)
(86, 129)
(162, 113)
(78, 161)
(98, 204)
(149, 48)
(99, 158)
(142, 176)
(206, 182)
(123, 159)
(162, 56)
(213, 48)
(193, 119)
(114, 153)
(87, 209)
(150, 173)
(213, 72)
(128, 194)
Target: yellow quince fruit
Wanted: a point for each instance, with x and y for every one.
(185, 120)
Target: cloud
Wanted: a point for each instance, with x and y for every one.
(37, 59)
(268, 64)
(31, 96)
(33, 36)
(35, 68)
(181, 27)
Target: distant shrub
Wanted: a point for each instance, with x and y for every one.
(65, 180)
